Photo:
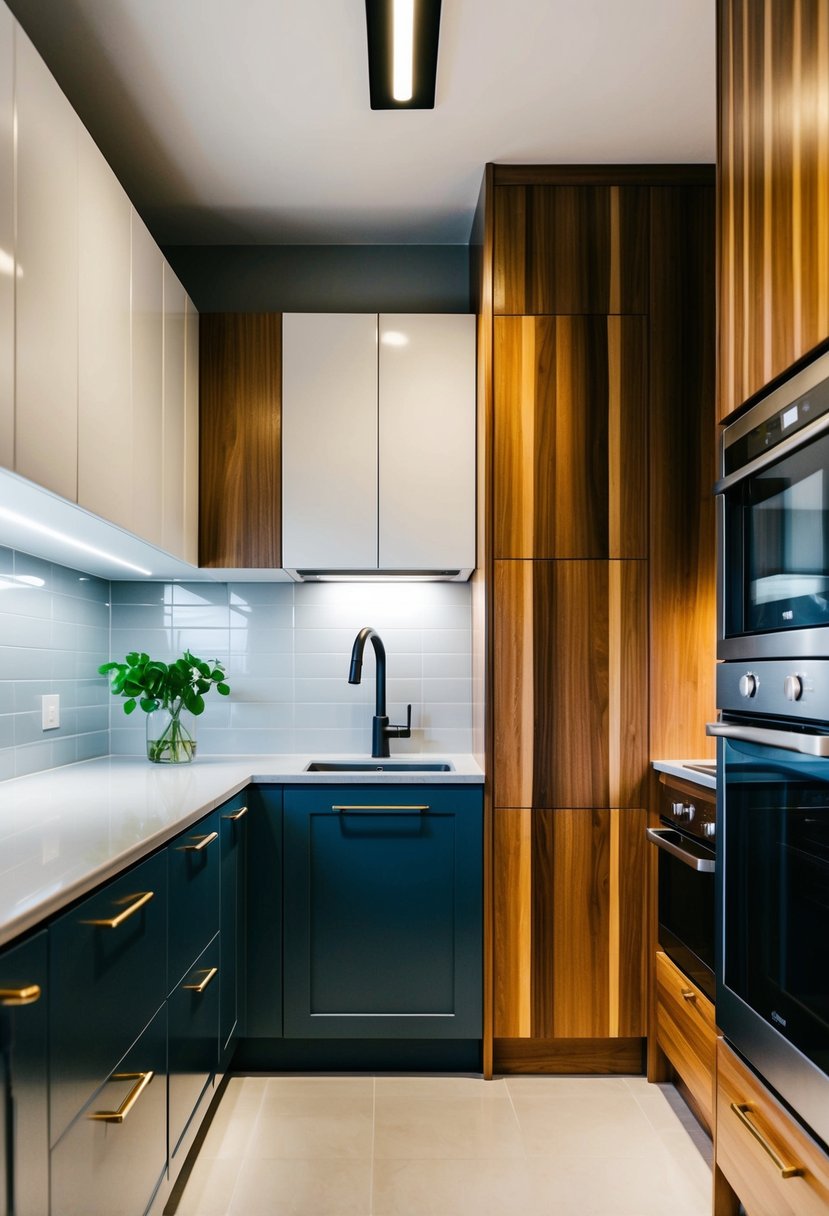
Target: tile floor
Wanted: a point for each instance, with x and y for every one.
(449, 1146)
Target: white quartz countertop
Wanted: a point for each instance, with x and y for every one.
(683, 769)
(64, 831)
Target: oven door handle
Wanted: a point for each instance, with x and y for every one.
(661, 837)
(785, 740)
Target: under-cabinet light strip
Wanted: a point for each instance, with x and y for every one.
(16, 518)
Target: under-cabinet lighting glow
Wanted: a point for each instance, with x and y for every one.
(13, 581)
(392, 337)
(403, 56)
(15, 517)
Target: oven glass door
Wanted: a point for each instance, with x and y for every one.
(686, 912)
(775, 899)
(777, 544)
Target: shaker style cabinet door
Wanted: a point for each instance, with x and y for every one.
(329, 441)
(426, 456)
(46, 427)
(24, 1110)
(7, 249)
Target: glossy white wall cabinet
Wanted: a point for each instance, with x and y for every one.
(147, 383)
(173, 459)
(427, 442)
(378, 442)
(6, 238)
(104, 389)
(46, 397)
(190, 552)
(329, 441)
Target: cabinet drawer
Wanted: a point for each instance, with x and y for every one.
(195, 863)
(193, 1013)
(685, 1030)
(112, 1168)
(107, 968)
(758, 1142)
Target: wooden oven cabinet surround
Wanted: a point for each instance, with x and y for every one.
(596, 378)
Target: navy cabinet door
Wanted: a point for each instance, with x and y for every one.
(263, 913)
(383, 912)
(194, 895)
(233, 819)
(193, 1039)
(24, 1112)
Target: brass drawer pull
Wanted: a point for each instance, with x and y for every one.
(688, 994)
(13, 997)
(142, 1080)
(202, 984)
(133, 902)
(742, 1110)
(203, 842)
(379, 810)
(237, 815)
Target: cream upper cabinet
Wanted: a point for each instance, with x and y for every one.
(191, 433)
(174, 415)
(7, 265)
(46, 382)
(426, 463)
(105, 426)
(147, 376)
(378, 442)
(329, 441)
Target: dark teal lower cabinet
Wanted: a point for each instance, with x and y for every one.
(263, 913)
(24, 1107)
(193, 1026)
(383, 912)
(111, 1158)
(233, 820)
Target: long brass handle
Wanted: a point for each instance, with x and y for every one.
(202, 984)
(237, 815)
(11, 997)
(134, 902)
(203, 842)
(742, 1110)
(142, 1080)
(377, 810)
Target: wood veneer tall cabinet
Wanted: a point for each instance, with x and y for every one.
(596, 340)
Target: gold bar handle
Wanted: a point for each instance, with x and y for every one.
(742, 1110)
(133, 902)
(142, 1080)
(13, 997)
(202, 984)
(688, 994)
(237, 815)
(203, 842)
(377, 810)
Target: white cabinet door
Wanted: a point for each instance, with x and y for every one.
(329, 441)
(46, 441)
(173, 456)
(191, 433)
(427, 442)
(105, 443)
(147, 321)
(6, 238)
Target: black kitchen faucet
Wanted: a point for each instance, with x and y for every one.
(381, 731)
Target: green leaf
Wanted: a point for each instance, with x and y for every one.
(217, 673)
(223, 689)
(129, 706)
(106, 667)
(148, 704)
(132, 658)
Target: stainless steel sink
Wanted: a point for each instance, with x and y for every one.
(376, 766)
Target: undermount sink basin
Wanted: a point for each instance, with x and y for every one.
(376, 766)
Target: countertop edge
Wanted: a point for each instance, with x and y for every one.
(678, 768)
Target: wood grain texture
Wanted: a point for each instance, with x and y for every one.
(743, 1160)
(240, 448)
(686, 1032)
(570, 249)
(569, 645)
(569, 923)
(773, 206)
(602, 175)
(570, 437)
(682, 443)
(568, 1057)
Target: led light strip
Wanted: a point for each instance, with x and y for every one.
(15, 518)
(403, 53)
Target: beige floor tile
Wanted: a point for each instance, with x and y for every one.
(591, 1122)
(302, 1188)
(582, 1186)
(235, 1118)
(662, 1105)
(457, 1117)
(314, 1117)
(566, 1087)
(209, 1188)
(454, 1188)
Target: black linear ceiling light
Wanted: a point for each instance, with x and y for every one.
(402, 53)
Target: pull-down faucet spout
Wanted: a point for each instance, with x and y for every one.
(381, 731)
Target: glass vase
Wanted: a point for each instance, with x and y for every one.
(171, 736)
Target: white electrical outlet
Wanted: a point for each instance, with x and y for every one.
(51, 711)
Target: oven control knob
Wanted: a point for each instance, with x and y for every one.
(709, 830)
(792, 688)
(748, 684)
(683, 810)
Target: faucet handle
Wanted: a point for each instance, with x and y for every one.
(402, 732)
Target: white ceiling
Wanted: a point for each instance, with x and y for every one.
(248, 121)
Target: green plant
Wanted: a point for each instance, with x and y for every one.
(152, 685)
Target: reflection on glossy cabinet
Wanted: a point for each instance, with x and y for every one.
(46, 391)
(190, 469)
(7, 263)
(24, 1108)
(570, 438)
(173, 453)
(104, 390)
(147, 383)
(570, 683)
